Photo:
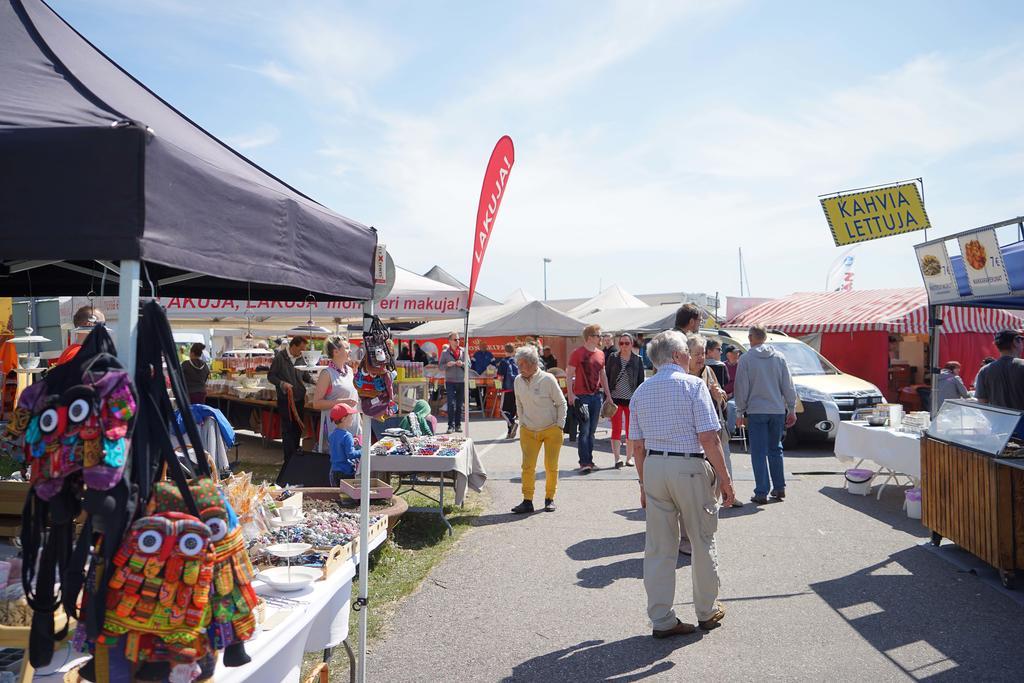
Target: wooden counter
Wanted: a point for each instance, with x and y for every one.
(977, 502)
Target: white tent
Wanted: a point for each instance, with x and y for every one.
(613, 297)
(535, 317)
(648, 319)
(510, 319)
(441, 275)
(520, 296)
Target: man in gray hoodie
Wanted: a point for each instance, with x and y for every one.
(766, 403)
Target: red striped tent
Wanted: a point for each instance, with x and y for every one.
(855, 327)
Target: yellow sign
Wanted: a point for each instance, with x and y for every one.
(868, 215)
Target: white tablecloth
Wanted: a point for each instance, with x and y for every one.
(469, 471)
(897, 451)
(320, 623)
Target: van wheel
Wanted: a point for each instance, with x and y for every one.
(791, 440)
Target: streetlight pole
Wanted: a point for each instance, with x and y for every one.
(546, 262)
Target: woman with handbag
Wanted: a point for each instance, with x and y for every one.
(625, 373)
(700, 368)
(334, 386)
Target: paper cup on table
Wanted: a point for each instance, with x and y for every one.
(895, 416)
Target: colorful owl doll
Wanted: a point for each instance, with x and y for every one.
(159, 592)
(85, 427)
(232, 598)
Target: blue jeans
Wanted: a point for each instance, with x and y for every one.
(588, 427)
(766, 433)
(456, 402)
(730, 417)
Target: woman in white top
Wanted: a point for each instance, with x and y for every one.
(334, 386)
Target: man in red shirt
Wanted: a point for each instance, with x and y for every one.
(587, 387)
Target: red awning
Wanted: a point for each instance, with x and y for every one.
(890, 310)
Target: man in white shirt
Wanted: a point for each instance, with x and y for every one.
(674, 434)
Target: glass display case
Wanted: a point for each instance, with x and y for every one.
(977, 426)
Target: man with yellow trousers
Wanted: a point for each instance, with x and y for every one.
(541, 407)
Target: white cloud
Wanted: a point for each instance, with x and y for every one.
(261, 136)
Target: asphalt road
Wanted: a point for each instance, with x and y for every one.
(825, 586)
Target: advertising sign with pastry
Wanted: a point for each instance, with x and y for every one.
(986, 272)
(870, 214)
(939, 281)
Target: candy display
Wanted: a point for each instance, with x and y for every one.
(443, 445)
(324, 526)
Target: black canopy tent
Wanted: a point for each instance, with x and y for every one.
(95, 168)
(101, 181)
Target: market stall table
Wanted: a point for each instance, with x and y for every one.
(465, 464)
(314, 619)
(897, 453)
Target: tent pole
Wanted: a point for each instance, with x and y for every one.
(364, 524)
(465, 378)
(128, 313)
(934, 331)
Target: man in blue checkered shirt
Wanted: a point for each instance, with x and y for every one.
(673, 429)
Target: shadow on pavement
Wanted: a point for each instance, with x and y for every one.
(596, 548)
(631, 659)
(929, 622)
(632, 514)
(605, 575)
(888, 510)
(505, 518)
(747, 509)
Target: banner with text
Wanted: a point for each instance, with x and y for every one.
(491, 194)
(407, 306)
(871, 214)
(939, 281)
(986, 272)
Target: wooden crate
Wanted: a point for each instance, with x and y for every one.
(12, 497)
(379, 490)
(976, 502)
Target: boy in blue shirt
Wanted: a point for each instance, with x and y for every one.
(342, 444)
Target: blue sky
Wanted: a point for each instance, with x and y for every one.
(652, 139)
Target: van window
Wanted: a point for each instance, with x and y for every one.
(803, 360)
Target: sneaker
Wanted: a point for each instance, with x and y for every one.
(736, 503)
(515, 429)
(685, 547)
(458, 429)
(508, 433)
(715, 620)
(680, 629)
(619, 465)
(585, 469)
(629, 463)
(524, 507)
(760, 500)
(549, 505)
(778, 494)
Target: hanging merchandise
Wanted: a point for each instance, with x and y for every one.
(373, 380)
(159, 598)
(232, 598)
(72, 431)
(83, 429)
(165, 610)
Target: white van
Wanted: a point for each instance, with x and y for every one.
(825, 394)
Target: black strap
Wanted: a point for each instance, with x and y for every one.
(156, 422)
